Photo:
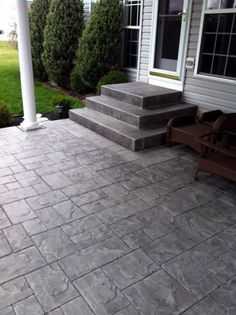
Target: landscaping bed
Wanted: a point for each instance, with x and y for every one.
(10, 89)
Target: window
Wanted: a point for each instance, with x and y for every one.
(131, 33)
(92, 4)
(218, 43)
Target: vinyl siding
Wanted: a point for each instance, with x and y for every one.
(207, 93)
(131, 74)
(86, 9)
(145, 40)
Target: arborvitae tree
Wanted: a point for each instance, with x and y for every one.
(100, 46)
(63, 29)
(37, 17)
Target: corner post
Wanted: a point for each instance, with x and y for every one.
(26, 69)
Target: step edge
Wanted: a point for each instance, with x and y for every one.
(130, 143)
(146, 112)
(101, 101)
(138, 96)
(161, 129)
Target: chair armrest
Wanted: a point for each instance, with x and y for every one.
(217, 148)
(181, 121)
(229, 133)
(210, 116)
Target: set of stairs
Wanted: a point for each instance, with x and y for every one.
(132, 114)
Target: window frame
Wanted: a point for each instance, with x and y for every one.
(91, 5)
(209, 76)
(132, 27)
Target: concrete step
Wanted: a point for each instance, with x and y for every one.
(118, 131)
(142, 94)
(135, 116)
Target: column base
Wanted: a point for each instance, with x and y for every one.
(26, 126)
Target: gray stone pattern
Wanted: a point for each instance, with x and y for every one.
(88, 227)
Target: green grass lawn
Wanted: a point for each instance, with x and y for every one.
(10, 90)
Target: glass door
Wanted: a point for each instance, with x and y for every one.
(169, 38)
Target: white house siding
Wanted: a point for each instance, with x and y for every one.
(87, 7)
(204, 92)
(145, 40)
(207, 93)
(131, 74)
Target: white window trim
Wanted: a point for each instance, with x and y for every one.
(203, 76)
(91, 5)
(139, 28)
(140, 40)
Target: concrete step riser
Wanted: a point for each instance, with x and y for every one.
(161, 120)
(134, 145)
(127, 98)
(128, 143)
(146, 122)
(154, 141)
(149, 102)
(161, 101)
(112, 112)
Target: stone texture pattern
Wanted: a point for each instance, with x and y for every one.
(101, 294)
(17, 237)
(51, 286)
(5, 249)
(130, 269)
(54, 244)
(28, 306)
(90, 228)
(13, 291)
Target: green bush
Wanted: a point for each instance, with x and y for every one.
(100, 46)
(76, 84)
(5, 114)
(112, 77)
(62, 32)
(37, 18)
(65, 102)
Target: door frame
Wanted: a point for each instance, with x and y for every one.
(169, 79)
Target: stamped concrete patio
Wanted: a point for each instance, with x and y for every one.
(88, 227)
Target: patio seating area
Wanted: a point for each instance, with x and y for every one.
(88, 227)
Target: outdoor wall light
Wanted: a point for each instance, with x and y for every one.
(59, 108)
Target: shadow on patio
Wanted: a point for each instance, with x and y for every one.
(88, 227)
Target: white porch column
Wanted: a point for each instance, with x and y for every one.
(26, 69)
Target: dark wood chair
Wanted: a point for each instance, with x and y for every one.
(185, 129)
(218, 148)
